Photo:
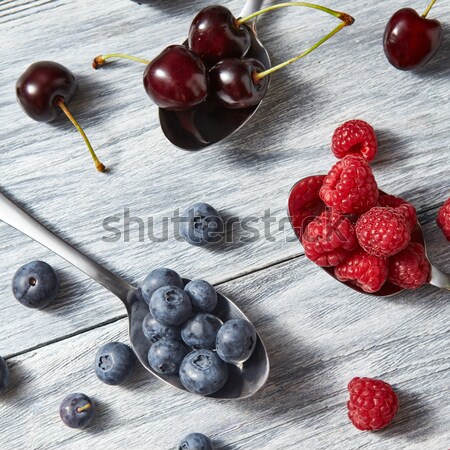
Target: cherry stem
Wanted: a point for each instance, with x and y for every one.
(84, 408)
(425, 14)
(259, 75)
(340, 15)
(101, 59)
(100, 167)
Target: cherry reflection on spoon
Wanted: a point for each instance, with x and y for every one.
(304, 204)
(211, 85)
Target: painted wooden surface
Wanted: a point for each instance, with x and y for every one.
(300, 311)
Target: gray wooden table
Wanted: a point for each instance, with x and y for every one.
(318, 333)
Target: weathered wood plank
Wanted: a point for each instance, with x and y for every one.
(318, 334)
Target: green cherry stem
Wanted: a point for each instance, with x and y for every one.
(259, 75)
(101, 59)
(425, 14)
(340, 15)
(99, 166)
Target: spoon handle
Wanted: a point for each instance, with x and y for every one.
(250, 7)
(440, 279)
(16, 217)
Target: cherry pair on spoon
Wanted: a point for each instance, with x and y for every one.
(44, 90)
(213, 63)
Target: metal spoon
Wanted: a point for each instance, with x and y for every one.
(243, 381)
(210, 123)
(437, 277)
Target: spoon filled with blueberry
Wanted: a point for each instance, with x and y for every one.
(211, 85)
(183, 332)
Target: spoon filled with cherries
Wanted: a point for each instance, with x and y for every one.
(211, 85)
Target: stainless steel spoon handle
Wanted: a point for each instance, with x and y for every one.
(13, 215)
(440, 279)
(251, 7)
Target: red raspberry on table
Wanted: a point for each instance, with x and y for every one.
(364, 270)
(402, 206)
(354, 137)
(305, 203)
(350, 187)
(443, 219)
(372, 405)
(383, 231)
(329, 239)
(410, 268)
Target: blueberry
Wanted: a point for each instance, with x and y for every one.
(158, 278)
(196, 441)
(201, 225)
(4, 376)
(170, 305)
(236, 341)
(155, 331)
(114, 362)
(203, 372)
(202, 294)
(77, 410)
(166, 356)
(35, 284)
(201, 330)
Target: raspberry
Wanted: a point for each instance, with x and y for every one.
(402, 206)
(383, 231)
(443, 219)
(372, 405)
(410, 268)
(329, 238)
(350, 187)
(305, 203)
(366, 271)
(354, 137)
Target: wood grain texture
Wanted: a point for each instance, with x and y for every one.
(47, 169)
(316, 331)
(318, 334)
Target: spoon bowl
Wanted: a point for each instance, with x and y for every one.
(243, 381)
(210, 122)
(437, 278)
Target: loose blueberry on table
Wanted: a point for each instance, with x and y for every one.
(4, 376)
(158, 278)
(114, 363)
(202, 294)
(203, 372)
(171, 306)
(77, 410)
(196, 441)
(35, 284)
(166, 356)
(236, 341)
(44, 90)
(155, 331)
(201, 331)
(411, 40)
(201, 225)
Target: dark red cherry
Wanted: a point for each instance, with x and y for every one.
(40, 87)
(176, 79)
(215, 34)
(235, 84)
(411, 40)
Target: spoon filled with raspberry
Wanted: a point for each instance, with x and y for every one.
(361, 236)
